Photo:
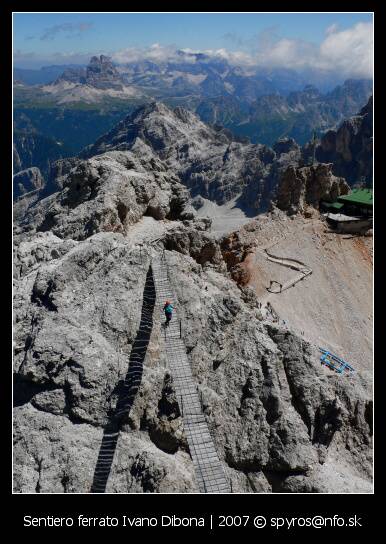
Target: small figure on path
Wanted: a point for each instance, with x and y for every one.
(168, 309)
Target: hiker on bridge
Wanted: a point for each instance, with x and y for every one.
(168, 309)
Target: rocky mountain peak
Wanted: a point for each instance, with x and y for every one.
(147, 109)
(207, 161)
(100, 73)
(307, 186)
(101, 64)
(350, 147)
(162, 129)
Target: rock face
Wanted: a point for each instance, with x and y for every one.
(26, 181)
(262, 192)
(307, 186)
(213, 164)
(100, 73)
(108, 193)
(202, 247)
(350, 148)
(75, 322)
(279, 420)
(29, 186)
(296, 114)
(207, 161)
(57, 174)
(54, 458)
(284, 146)
(234, 253)
(98, 82)
(31, 149)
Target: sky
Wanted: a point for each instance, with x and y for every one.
(335, 41)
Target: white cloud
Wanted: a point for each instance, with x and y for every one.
(155, 53)
(170, 53)
(288, 53)
(349, 51)
(345, 52)
(332, 28)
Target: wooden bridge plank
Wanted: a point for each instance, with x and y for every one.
(209, 471)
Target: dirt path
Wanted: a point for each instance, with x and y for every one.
(294, 264)
(332, 306)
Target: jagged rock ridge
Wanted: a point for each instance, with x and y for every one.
(26, 181)
(296, 115)
(307, 186)
(280, 422)
(100, 80)
(100, 73)
(209, 162)
(350, 147)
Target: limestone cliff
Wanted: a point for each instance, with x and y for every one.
(280, 422)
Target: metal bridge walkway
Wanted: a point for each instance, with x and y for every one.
(209, 471)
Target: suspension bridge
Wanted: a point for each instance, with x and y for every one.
(209, 471)
(208, 468)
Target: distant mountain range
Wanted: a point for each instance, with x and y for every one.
(195, 74)
(212, 163)
(296, 115)
(199, 72)
(58, 119)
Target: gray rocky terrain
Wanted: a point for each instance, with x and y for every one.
(303, 187)
(100, 73)
(99, 80)
(350, 147)
(296, 114)
(209, 162)
(26, 181)
(82, 267)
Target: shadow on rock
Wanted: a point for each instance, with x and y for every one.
(127, 390)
